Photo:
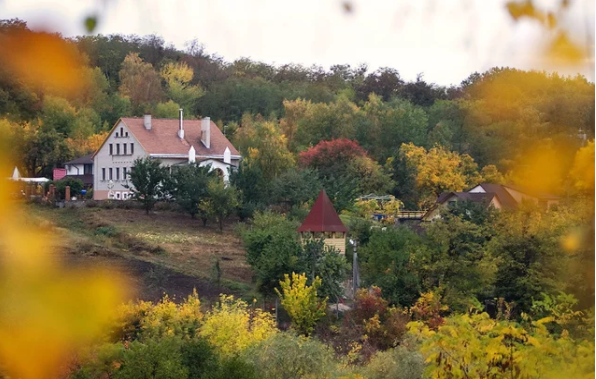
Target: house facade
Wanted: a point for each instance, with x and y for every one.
(81, 168)
(172, 141)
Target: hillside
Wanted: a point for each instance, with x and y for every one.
(162, 252)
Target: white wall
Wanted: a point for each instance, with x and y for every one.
(77, 169)
(218, 165)
(103, 160)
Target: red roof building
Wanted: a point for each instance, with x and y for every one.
(323, 221)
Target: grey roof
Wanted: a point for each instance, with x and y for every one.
(538, 194)
(87, 159)
(507, 201)
(467, 196)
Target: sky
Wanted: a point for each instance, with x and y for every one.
(444, 40)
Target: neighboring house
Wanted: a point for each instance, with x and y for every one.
(499, 196)
(173, 141)
(81, 168)
(323, 221)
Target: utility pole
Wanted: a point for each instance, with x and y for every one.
(355, 272)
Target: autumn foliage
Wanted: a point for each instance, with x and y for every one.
(331, 153)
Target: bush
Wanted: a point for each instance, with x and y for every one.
(384, 326)
(108, 231)
(76, 185)
(291, 357)
(231, 326)
(154, 359)
(144, 320)
(91, 203)
(397, 363)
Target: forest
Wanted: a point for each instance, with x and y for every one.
(479, 293)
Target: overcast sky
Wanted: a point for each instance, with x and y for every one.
(445, 40)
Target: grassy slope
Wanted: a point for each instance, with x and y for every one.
(168, 241)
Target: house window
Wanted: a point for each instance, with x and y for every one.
(126, 134)
(132, 148)
(452, 203)
(117, 149)
(117, 173)
(121, 132)
(124, 172)
(125, 146)
(88, 169)
(110, 172)
(103, 174)
(111, 149)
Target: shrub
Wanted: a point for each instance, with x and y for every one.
(76, 185)
(501, 349)
(154, 359)
(383, 326)
(91, 203)
(291, 357)
(108, 231)
(144, 320)
(301, 302)
(397, 363)
(232, 326)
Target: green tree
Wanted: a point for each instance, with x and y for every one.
(147, 180)
(272, 245)
(222, 201)
(387, 264)
(265, 146)
(456, 257)
(169, 109)
(295, 187)
(140, 83)
(178, 77)
(188, 185)
(319, 260)
(301, 302)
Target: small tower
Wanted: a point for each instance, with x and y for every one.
(323, 221)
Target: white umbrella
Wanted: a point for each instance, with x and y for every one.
(16, 174)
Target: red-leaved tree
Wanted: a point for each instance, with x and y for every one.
(329, 155)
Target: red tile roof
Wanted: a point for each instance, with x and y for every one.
(322, 217)
(163, 137)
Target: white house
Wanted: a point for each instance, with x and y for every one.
(81, 168)
(172, 141)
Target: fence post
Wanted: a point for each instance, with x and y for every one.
(67, 193)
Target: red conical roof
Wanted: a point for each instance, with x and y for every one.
(322, 217)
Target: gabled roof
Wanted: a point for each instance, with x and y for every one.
(163, 137)
(507, 201)
(538, 194)
(322, 217)
(479, 197)
(87, 159)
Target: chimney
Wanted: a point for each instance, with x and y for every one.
(206, 132)
(192, 155)
(227, 156)
(147, 121)
(181, 127)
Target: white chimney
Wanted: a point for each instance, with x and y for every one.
(206, 132)
(192, 155)
(147, 121)
(227, 156)
(181, 127)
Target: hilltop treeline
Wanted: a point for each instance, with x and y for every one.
(503, 121)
